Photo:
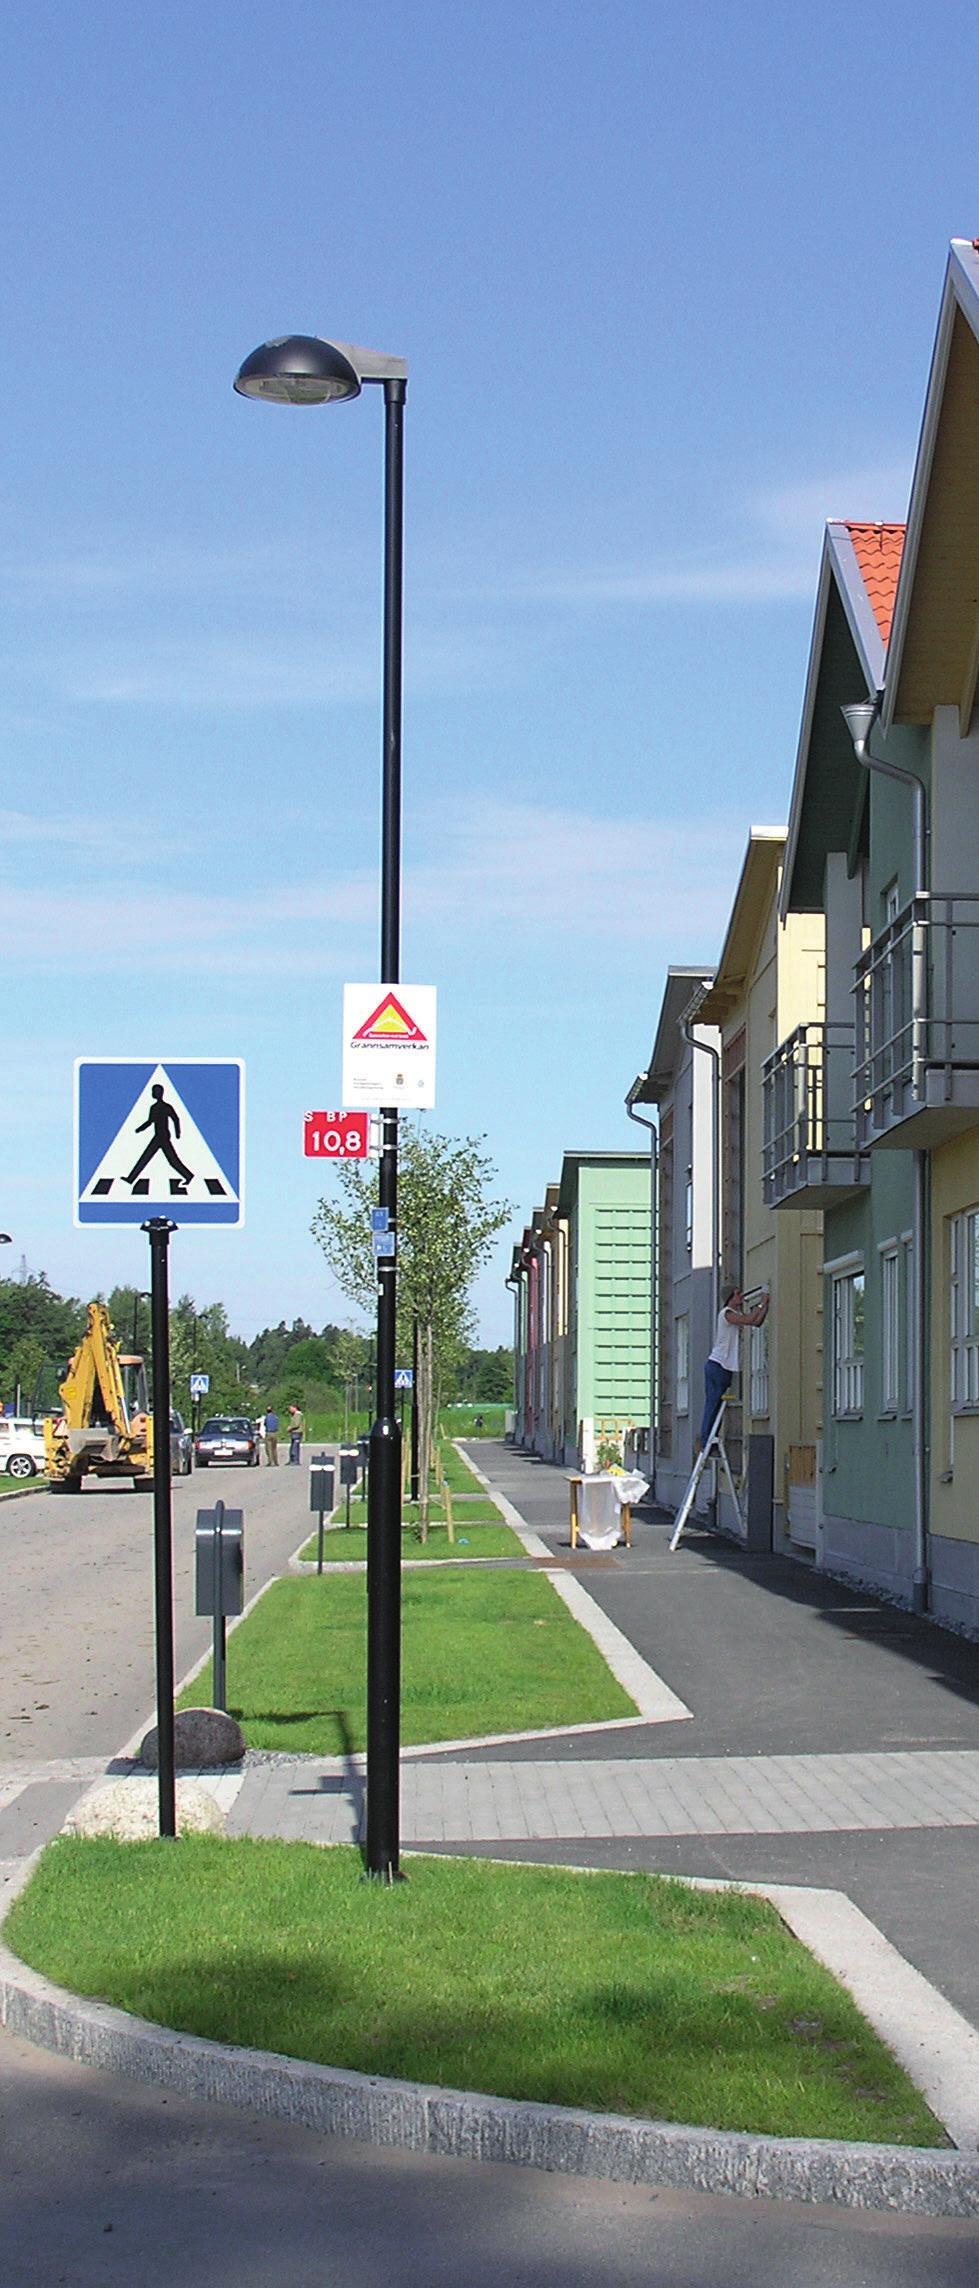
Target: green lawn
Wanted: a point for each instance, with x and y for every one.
(482, 1535)
(481, 1652)
(622, 1993)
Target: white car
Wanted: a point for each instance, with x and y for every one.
(22, 1452)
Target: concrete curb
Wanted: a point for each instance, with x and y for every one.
(418, 2118)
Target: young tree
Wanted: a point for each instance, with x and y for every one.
(446, 1226)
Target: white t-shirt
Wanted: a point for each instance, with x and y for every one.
(727, 1344)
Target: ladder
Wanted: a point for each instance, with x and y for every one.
(714, 1451)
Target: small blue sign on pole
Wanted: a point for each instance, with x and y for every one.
(383, 1243)
(159, 1137)
(403, 1378)
(380, 1219)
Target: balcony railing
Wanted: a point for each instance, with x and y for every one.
(811, 1156)
(916, 998)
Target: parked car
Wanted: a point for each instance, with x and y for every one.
(22, 1451)
(226, 1438)
(181, 1446)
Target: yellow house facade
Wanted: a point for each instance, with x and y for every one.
(770, 978)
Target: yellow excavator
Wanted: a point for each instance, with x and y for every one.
(105, 1428)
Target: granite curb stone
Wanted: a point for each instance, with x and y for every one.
(418, 2118)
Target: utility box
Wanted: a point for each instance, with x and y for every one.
(349, 1465)
(322, 1483)
(220, 1551)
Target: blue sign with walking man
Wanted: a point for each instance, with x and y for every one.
(159, 1136)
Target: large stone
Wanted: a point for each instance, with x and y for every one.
(129, 1810)
(203, 1738)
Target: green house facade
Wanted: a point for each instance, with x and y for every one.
(604, 1199)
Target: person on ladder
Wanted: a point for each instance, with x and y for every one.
(722, 1365)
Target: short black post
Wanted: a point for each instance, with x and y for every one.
(159, 1229)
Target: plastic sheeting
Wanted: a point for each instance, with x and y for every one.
(600, 1499)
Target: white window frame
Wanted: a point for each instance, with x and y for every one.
(890, 1327)
(848, 1337)
(963, 1300)
(910, 1331)
(760, 1401)
(682, 1358)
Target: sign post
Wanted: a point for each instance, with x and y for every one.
(160, 1143)
(159, 1229)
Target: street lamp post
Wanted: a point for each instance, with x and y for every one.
(300, 369)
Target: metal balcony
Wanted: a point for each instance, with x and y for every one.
(916, 997)
(811, 1158)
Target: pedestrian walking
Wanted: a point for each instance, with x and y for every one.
(272, 1438)
(297, 1431)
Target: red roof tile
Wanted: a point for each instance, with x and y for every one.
(878, 549)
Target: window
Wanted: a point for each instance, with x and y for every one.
(688, 1211)
(759, 1371)
(964, 1309)
(683, 1366)
(848, 1341)
(889, 1328)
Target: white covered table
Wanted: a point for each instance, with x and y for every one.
(601, 1507)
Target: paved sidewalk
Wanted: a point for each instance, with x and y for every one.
(458, 1802)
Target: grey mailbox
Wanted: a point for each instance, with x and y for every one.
(321, 1483)
(322, 1495)
(220, 1546)
(220, 1551)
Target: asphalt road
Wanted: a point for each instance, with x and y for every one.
(105, 2180)
(76, 1616)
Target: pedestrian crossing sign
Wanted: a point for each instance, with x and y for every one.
(159, 1136)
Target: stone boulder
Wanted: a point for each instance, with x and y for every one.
(203, 1738)
(129, 1810)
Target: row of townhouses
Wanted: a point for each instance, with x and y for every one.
(813, 1098)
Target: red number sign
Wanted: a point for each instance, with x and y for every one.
(336, 1135)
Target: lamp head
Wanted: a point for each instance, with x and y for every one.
(298, 369)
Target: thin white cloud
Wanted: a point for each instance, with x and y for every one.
(507, 874)
(770, 552)
(542, 869)
(25, 827)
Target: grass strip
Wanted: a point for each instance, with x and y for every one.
(621, 1993)
(474, 1537)
(481, 1652)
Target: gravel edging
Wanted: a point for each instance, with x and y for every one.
(418, 2118)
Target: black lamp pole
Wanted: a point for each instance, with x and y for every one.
(384, 1482)
(302, 369)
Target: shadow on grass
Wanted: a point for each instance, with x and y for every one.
(631, 2054)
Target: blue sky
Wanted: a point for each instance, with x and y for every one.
(667, 288)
